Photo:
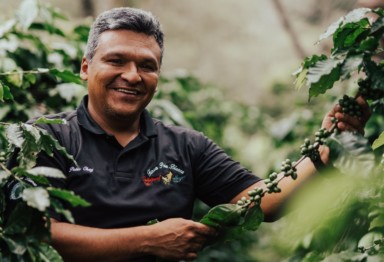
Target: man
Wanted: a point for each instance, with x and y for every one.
(134, 169)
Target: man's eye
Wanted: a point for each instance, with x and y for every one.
(148, 67)
(115, 61)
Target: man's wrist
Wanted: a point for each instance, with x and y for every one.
(320, 160)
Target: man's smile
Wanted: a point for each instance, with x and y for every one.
(127, 91)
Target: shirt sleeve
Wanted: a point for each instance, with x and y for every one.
(218, 177)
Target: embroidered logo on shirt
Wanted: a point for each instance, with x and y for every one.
(166, 174)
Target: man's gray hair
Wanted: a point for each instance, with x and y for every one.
(127, 18)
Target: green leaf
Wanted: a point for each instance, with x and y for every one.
(6, 26)
(81, 33)
(5, 92)
(301, 79)
(378, 142)
(44, 120)
(346, 36)
(48, 143)
(253, 218)
(15, 78)
(302, 73)
(351, 65)
(310, 62)
(36, 197)
(351, 153)
(152, 222)
(322, 76)
(31, 78)
(46, 172)
(30, 147)
(7, 95)
(69, 197)
(59, 209)
(19, 220)
(48, 254)
(225, 215)
(377, 222)
(356, 15)
(31, 131)
(368, 44)
(378, 27)
(353, 16)
(47, 27)
(331, 29)
(14, 134)
(17, 244)
(66, 76)
(1, 91)
(27, 13)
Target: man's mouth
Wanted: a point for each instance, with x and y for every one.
(127, 91)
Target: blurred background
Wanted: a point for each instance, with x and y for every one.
(227, 71)
(243, 47)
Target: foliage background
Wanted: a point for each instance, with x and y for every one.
(236, 87)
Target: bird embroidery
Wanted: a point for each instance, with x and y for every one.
(167, 178)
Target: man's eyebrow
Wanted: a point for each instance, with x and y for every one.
(145, 58)
(113, 54)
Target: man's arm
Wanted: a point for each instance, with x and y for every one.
(171, 239)
(272, 203)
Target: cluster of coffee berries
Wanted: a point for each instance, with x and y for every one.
(255, 195)
(366, 90)
(288, 168)
(350, 106)
(244, 203)
(312, 150)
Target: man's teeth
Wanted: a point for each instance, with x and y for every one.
(127, 91)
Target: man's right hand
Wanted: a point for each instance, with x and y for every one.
(178, 239)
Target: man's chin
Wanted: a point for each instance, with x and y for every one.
(122, 115)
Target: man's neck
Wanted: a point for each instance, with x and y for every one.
(124, 129)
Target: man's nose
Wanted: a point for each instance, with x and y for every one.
(130, 73)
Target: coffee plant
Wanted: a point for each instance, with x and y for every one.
(27, 197)
(356, 47)
(36, 77)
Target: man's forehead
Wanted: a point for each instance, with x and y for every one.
(114, 41)
(127, 35)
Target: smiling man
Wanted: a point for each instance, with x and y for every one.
(132, 168)
(122, 78)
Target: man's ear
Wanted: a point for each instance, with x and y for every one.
(84, 69)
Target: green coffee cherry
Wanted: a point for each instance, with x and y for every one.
(350, 106)
(367, 91)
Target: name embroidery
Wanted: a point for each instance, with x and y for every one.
(77, 169)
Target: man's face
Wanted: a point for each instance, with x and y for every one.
(123, 74)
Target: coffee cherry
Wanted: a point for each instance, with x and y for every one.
(350, 106)
(366, 90)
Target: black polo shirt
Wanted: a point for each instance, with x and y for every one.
(158, 175)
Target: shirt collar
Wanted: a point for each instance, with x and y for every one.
(147, 126)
